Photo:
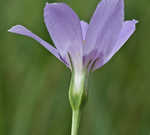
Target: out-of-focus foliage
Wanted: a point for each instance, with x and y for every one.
(34, 84)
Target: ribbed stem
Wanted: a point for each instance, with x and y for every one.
(75, 122)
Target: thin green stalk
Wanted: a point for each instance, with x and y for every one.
(75, 122)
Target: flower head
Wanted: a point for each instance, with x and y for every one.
(80, 45)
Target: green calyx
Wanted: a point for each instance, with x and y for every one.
(78, 90)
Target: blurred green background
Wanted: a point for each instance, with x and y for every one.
(34, 84)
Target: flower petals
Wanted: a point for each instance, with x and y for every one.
(84, 27)
(105, 26)
(64, 27)
(127, 30)
(19, 29)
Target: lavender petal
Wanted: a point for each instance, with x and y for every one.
(21, 30)
(84, 27)
(105, 26)
(64, 27)
(127, 30)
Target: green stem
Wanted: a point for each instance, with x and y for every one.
(75, 122)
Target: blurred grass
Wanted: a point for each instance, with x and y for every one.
(34, 84)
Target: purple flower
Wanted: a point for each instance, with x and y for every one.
(81, 45)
